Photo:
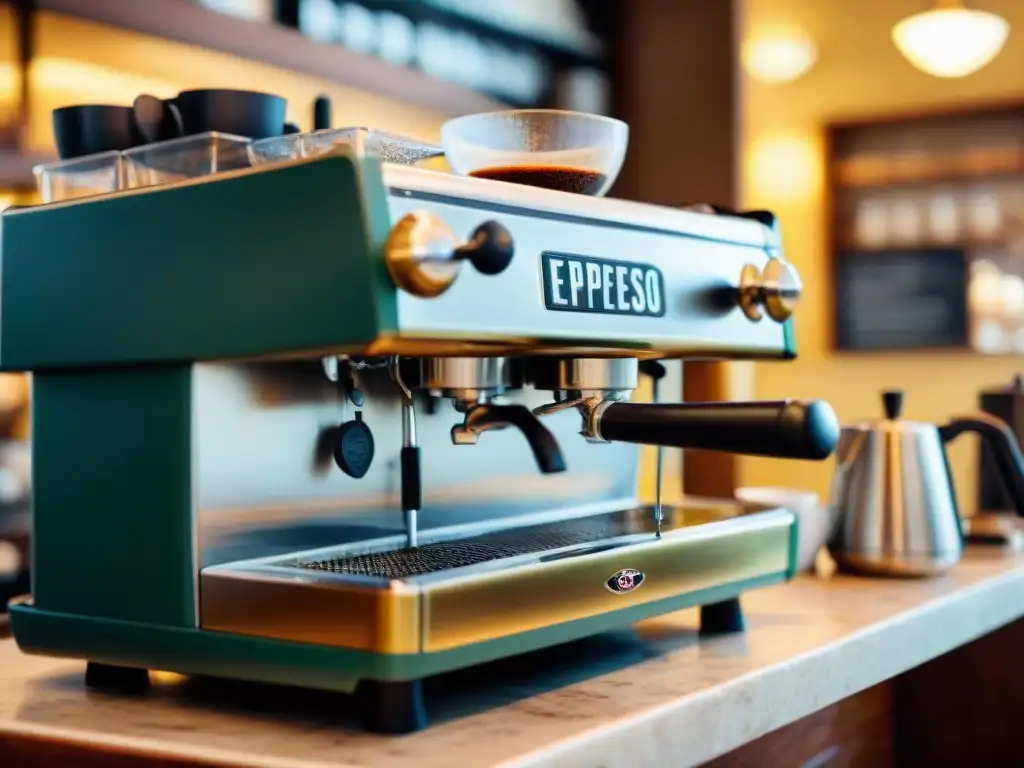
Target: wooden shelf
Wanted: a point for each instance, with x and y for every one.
(278, 46)
(581, 44)
(929, 179)
(964, 244)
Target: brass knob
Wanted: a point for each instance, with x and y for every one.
(411, 253)
(424, 258)
(777, 290)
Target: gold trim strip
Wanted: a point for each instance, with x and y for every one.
(319, 612)
(440, 612)
(496, 604)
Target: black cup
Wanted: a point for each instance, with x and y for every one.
(242, 113)
(86, 129)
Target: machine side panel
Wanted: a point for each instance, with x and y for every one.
(247, 264)
(112, 529)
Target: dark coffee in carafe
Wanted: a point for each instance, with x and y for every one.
(577, 180)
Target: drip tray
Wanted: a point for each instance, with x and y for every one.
(438, 554)
(476, 550)
(451, 593)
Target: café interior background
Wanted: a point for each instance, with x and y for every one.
(857, 72)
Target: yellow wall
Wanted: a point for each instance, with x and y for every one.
(859, 73)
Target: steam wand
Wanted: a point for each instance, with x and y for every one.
(409, 462)
(657, 372)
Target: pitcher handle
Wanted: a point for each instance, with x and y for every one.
(1003, 444)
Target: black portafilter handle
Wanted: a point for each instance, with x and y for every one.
(783, 429)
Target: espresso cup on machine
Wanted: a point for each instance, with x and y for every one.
(89, 129)
(240, 113)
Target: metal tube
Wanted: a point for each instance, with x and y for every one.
(410, 464)
(657, 491)
(408, 425)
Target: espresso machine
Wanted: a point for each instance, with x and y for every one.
(347, 424)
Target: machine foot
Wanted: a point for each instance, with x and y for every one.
(392, 707)
(722, 618)
(104, 677)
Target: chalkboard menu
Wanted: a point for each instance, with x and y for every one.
(901, 299)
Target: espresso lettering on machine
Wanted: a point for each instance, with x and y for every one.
(587, 284)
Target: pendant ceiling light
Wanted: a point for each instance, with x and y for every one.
(951, 40)
(780, 57)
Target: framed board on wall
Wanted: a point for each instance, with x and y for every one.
(901, 300)
(927, 231)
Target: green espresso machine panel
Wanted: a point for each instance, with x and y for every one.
(348, 425)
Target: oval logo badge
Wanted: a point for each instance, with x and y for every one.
(624, 581)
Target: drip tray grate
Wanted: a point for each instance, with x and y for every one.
(443, 556)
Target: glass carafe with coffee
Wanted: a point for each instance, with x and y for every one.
(548, 148)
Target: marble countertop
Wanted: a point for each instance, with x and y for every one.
(648, 696)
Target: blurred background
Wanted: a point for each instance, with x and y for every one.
(887, 135)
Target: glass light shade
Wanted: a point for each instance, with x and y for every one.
(779, 59)
(951, 42)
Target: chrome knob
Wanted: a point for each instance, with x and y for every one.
(775, 291)
(424, 257)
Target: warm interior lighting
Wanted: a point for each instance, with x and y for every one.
(951, 41)
(779, 58)
(82, 82)
(57, 82)
(784, 169)
(10, 92)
